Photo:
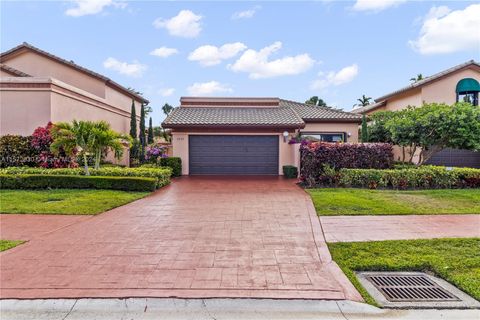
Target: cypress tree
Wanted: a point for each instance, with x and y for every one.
(150, 131)
(133, 121)
(364, 129)
(141, 133)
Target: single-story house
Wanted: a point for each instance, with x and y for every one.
(459, 83)
(37, 87)
(250, 136)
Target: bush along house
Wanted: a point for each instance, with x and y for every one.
(251, 136)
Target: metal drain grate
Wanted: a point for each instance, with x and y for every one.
(398, 288)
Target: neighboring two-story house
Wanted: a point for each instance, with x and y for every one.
(37, 87)
(459, 83)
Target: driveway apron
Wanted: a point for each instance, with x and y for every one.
(200, 237)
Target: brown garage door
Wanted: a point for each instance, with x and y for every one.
(233, 155)
(456, 158)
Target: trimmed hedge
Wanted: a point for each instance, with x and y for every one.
(425, 177)
(172, 162)
(162, 175)
(317, 156)
(40, 181)
(17, 151)
(290, 172)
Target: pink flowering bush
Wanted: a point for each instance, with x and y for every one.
(41, 141)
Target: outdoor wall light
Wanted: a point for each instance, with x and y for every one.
(285, 136)
(349, 134)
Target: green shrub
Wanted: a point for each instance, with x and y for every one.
(40, 181)
(17, 151)
(172, 162)
(290, 172)
(162, 175)
(427, 177)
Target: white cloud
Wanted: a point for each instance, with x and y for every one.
(211, 55)
(208, 88)
(246, 14)
(164, 52)
(88, 7)
(333, 78)
(186, 24)
(258, 66)
(375, 5)
(446, 31)
(134, 69)
(166, 92)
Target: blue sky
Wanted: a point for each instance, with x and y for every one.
(337, 50)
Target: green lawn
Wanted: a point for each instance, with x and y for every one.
(339, 201)
(64, 201)
(455, 260)
(7, 244)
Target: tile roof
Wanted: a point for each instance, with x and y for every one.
(13, 71)
(369, 107)
(72, 64)
(311, 113)
(288, 114)
(381, 100)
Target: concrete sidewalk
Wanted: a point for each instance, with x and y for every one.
(378, 228)
(198, 309)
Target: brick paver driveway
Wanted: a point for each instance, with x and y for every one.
(200, 237)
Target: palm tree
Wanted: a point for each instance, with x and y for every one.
(418, 78)
(167, 109)
(316, 101)
(363, 101)
(105, 139)
(73, 138)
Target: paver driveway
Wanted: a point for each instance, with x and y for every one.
(199, 237)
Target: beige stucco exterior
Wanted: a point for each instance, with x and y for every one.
(441, 90)
(288, 153)
(57, 92)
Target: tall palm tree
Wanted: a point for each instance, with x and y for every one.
(167, 109)
(363, 101)
(417, 78)
(73, 138)
(105, 139)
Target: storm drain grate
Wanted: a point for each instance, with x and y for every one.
(397, 288)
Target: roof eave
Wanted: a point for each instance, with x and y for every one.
(332, 120)
(233, 126)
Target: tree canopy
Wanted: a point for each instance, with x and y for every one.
(429, 128)
(316, 101)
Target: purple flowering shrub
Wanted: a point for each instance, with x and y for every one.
(154, 152)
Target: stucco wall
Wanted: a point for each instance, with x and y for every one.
(40, 66)
(444, 89)
(401, 101)
(180, 147)
(21, 112)
(348, 127)
(120, 100)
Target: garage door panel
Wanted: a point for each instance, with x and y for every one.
(233, 154)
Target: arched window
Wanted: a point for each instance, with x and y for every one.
(467, 91)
